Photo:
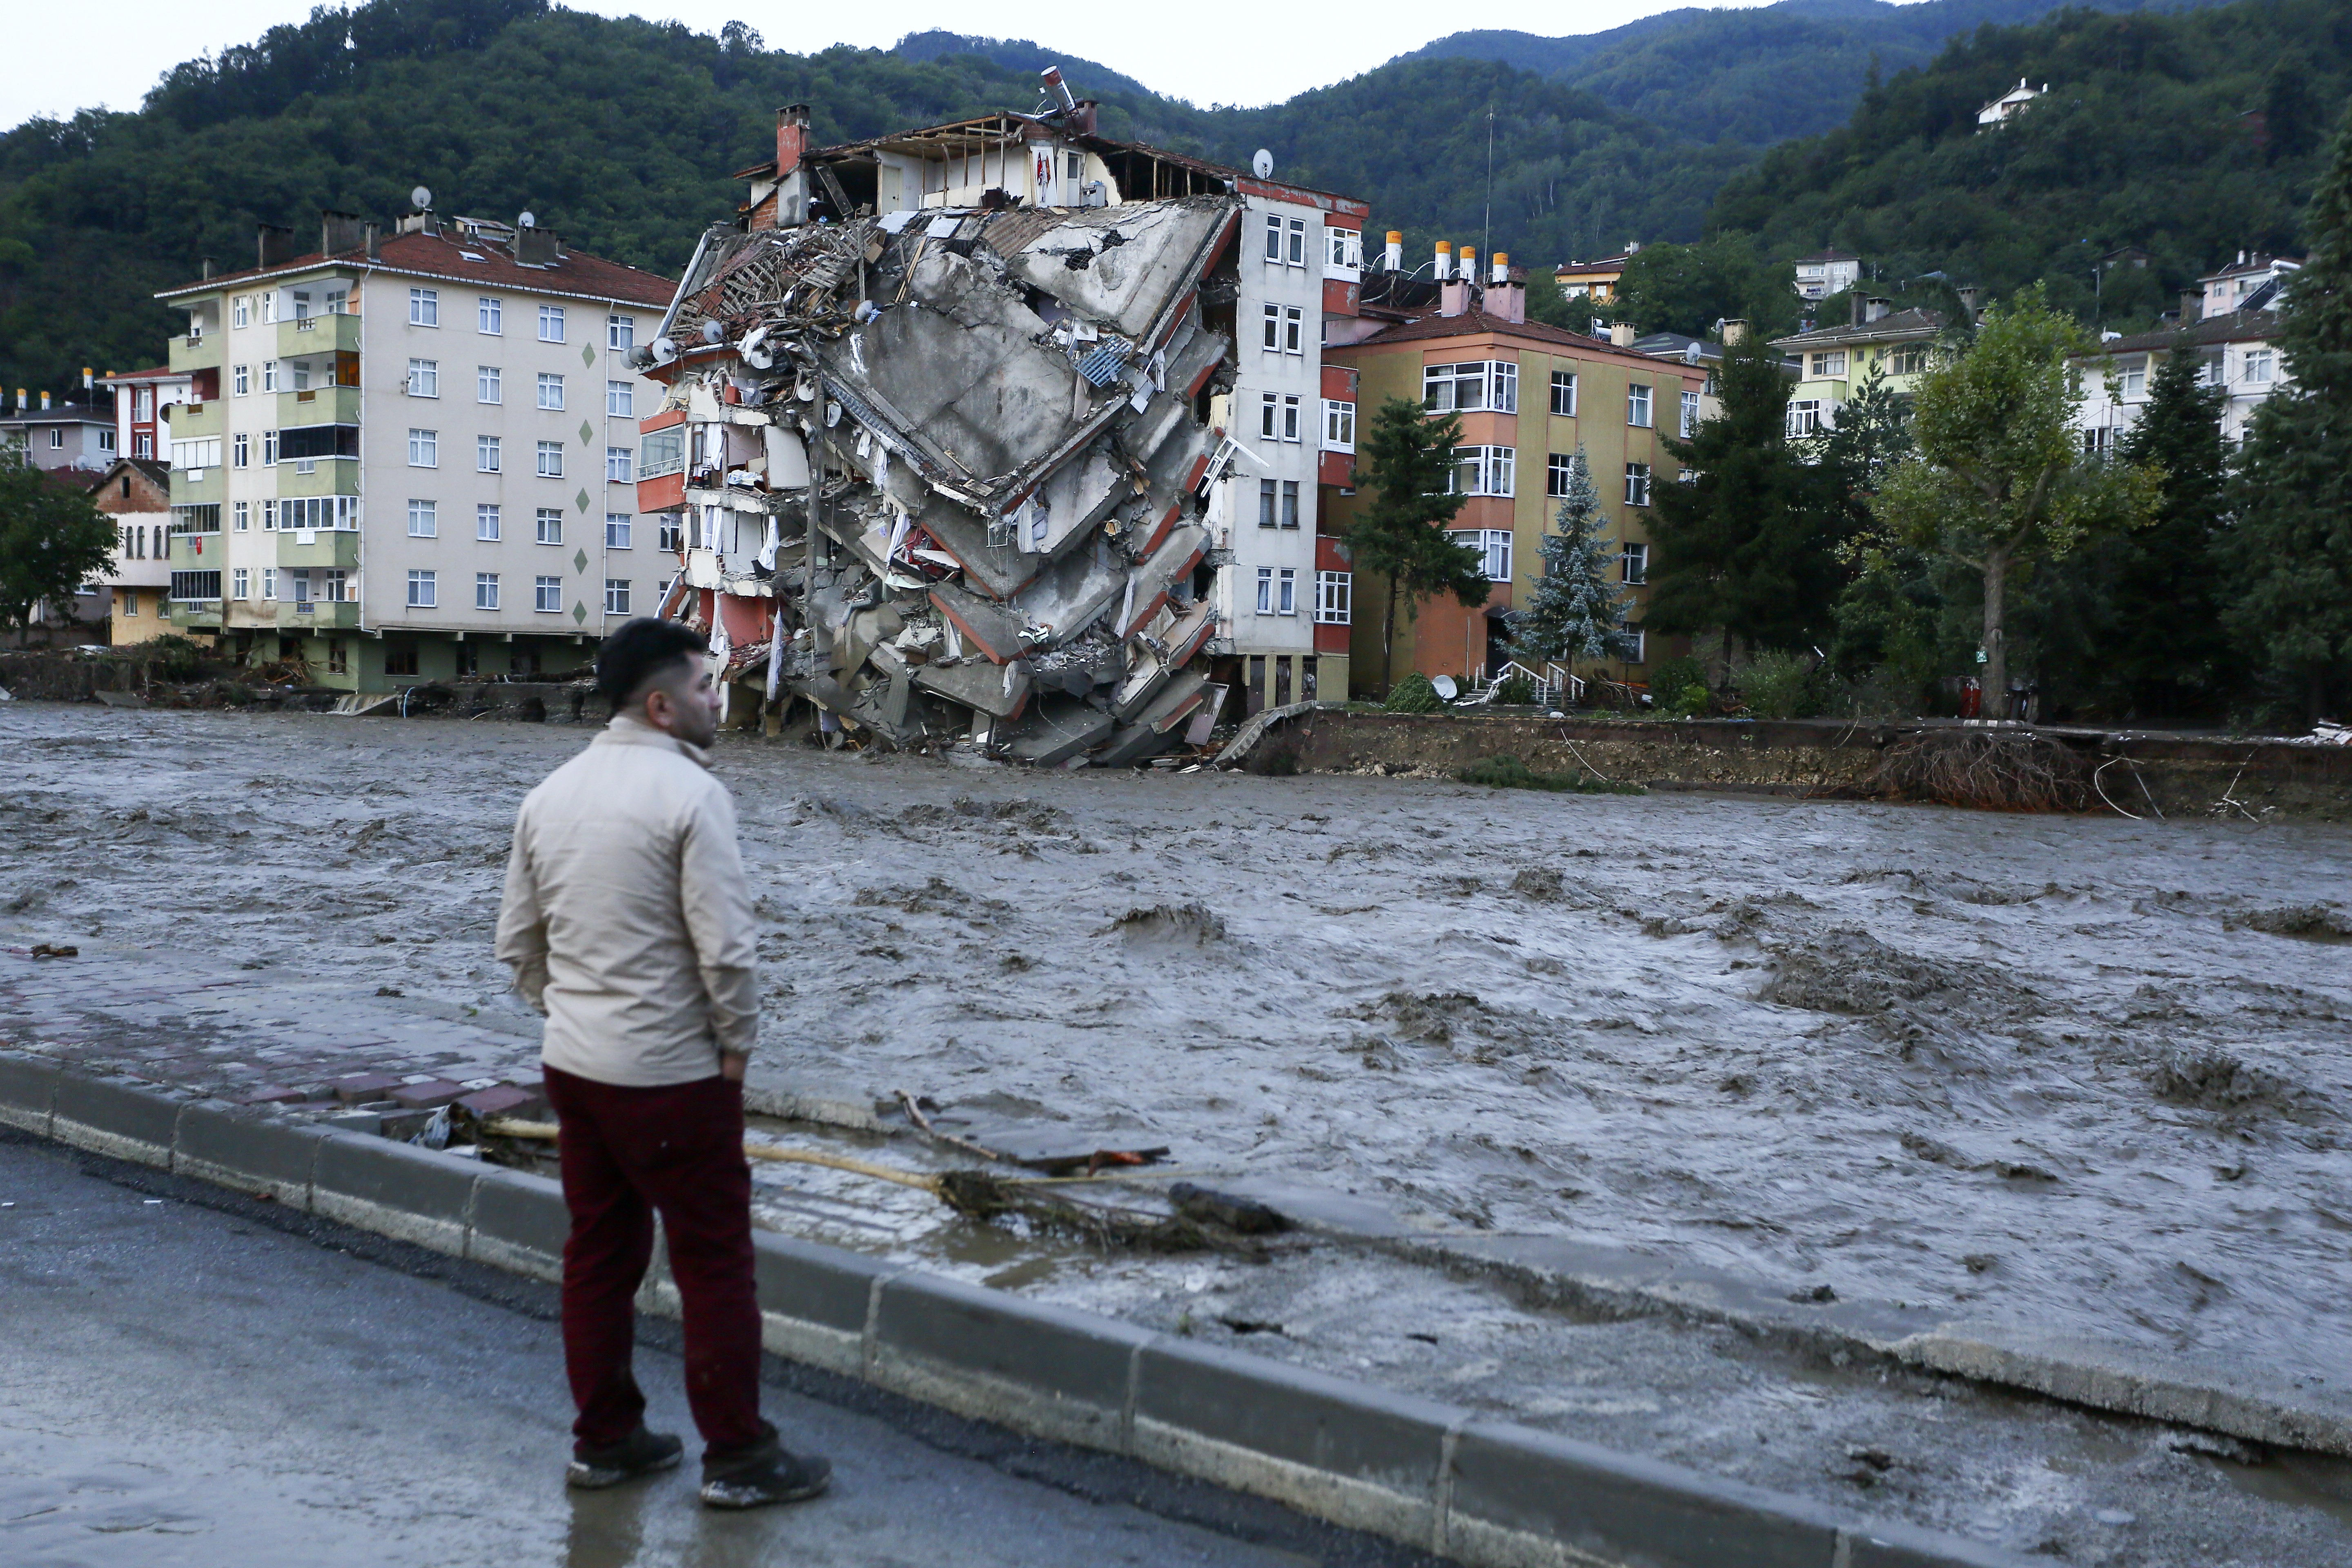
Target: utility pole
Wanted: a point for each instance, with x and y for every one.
(1486, 233)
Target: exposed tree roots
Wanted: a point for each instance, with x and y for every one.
(1987, 770)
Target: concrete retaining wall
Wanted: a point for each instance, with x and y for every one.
(2182, 775)
(1480, 1493)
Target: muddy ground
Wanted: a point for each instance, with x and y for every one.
(2075, 1072)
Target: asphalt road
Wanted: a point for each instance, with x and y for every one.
(188, 1377)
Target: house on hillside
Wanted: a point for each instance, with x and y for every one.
(1829, 272)
(2234, 287)
(62, 437)
(1832, 362)
(140, 398)
(2008, 104)
(2235, 350)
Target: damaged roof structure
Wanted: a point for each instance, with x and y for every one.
(937, 435)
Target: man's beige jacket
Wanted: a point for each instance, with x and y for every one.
(627, 920)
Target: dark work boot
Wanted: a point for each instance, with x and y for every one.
(641, 1453)
(762, 1474)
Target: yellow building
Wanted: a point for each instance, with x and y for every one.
(1832, 362)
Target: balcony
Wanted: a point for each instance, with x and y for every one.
(318, 335)
(196, 553)
(317, 614)
(189, 489)
(192, 420)
(302, 550)
(319, 406)
(195, 353)
(202, 615)
(318, 475)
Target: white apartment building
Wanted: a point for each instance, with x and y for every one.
(412, 457)
(2230, 321)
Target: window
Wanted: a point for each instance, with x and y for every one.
(2099, 441)
(1342, 247)
(1637, 484)
(550, 390)
(1829, 363)
(335, 586)
(422, 519)
(1290, 503)
(551, 459)
(550, 525)
(1494, 547)
(661, 452)
(1564, 394)
(424, 378)
(1633, 564)
(1265, 589)
(1338, 426)
(488, 523)
(1334, 597)
(1272, 237)
(1559, 472)
(320, 512)
(2258, 364)
(486, 590)
(301, 373)
(550, 324)
(240, 449)
(620, 333)
(1266, 493)
(1268, 415)
(421, 591)
(547, 595)
(270, 516)
(1286, 592)
(268, 584)
(1294, 328)
(424, 448)
(1910, 359)
(142, 446)
(2135, 377)
(487, 387)
(1290, 417)
(269, 375)
(617, 465)
(425, 307)
(1805, 416)
(243, 513)
(400, 659)
(268, 302)
(1637, 642)
(616, 596)
(241, 312)
(618, 529)
(620, 400)
(1491, 384)
(240, 380)
(668, 532)
(196, 587)
(489, 317)
(1690, 415)
(1296, 256)
(194, 455)
(1484, 472)
(1270, 330)
(486, 450)
(2208, 373)
(1637, 407)
(239, 582)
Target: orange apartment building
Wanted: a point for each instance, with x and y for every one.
(1528, 395)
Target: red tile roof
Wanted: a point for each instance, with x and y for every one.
(1475, 322)
(575, 272)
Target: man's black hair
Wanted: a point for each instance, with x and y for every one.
(641, 649)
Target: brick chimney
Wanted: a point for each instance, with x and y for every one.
(791, 137)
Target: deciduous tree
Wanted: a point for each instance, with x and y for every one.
(52, 538)
(1407, 469)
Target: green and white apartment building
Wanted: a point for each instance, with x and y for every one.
(412, 457)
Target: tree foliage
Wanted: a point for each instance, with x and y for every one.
(52, 538)
(2161, 645)
(1407, 462)
(1998, 476)
(1575, 609)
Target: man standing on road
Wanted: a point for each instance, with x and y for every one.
(627, 922)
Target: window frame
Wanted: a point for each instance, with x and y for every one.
(426, 442)
(551, 380)
(1641, 405)
(485, 590)
(422, 578)
(489, 316)
(550, 460)
(424, 307)
(424, 378)
(1339, 425)
(1335, 599)
(423, 519)
(550, 315)
(547, 519)
(1638, 476)
(547, 595)
(490, 522)
(620, 529)
(1563, 381)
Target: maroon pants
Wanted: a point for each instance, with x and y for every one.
(627, 1152)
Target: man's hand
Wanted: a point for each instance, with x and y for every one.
(731, 1065)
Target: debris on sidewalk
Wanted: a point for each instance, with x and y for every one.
(950, 472)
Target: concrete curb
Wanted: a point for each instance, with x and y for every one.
(1486, 1493)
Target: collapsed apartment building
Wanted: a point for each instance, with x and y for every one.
(947, 435)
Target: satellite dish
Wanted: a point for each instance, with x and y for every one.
(527, 220)
(420, 198)
(1262, 163)
(1443, 685)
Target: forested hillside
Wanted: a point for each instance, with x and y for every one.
(2194, 135)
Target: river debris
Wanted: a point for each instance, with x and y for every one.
(949, 473)
(1986, 771)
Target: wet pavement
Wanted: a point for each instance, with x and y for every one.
(182, 1386)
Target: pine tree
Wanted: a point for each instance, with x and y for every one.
(1577, 608)
(2163, 643)
(1401, 536)
(2293, 541)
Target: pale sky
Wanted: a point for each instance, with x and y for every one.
(1210, 51)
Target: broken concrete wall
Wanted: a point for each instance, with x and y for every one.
(947, 471)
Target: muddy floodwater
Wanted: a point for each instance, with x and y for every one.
(2080, 1073)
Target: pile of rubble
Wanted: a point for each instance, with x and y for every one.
(950, 473)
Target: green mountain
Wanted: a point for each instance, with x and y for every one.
(1751, 74)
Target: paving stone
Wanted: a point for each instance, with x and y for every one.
(430, 1095)
(359, 1087)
